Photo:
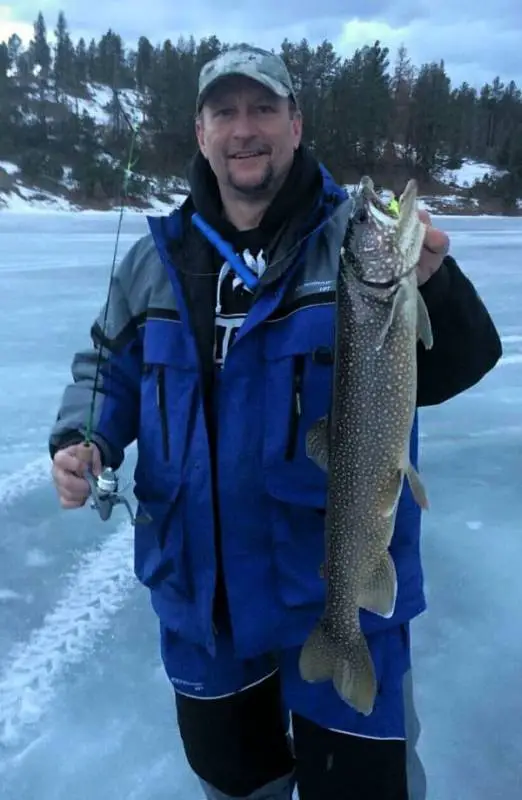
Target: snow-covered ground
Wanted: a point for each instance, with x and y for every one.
(85, 710)
(23, 199)
(469, 173)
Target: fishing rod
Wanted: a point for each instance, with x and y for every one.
(104, 488)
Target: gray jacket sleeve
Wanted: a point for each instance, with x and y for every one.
(113, 397)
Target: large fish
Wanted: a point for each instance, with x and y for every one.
(364, 444)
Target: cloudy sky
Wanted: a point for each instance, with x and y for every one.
(477, 39)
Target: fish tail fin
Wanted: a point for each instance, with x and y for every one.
(354, 679)
(352, 674)
(317, 659)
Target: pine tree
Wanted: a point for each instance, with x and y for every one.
(64, 57)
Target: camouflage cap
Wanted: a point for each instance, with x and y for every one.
(252, 62)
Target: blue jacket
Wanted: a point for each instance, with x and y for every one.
(271, 497)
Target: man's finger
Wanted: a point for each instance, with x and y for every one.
(68, 461)
(72, 503)
(67, 477)
(436, 242)
(96, 466)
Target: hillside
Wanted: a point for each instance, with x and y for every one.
(20, 193)
(452, 192)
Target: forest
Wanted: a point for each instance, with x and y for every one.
(371, 111)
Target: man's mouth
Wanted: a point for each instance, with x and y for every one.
(249, 154)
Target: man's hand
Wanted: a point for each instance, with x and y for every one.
(436, 246)
(68, 469)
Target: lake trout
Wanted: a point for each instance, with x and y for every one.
(364, 444)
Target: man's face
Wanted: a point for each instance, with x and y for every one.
(248, 135)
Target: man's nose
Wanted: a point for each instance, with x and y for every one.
(244, 124)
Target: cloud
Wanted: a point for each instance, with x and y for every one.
(476, 39)
(11, 22)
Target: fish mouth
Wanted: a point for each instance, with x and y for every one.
(368, 204)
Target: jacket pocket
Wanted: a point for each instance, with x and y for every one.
(161, 400)
(167, 418)
(298, 391)
(295, 405)
(297, 522)
(159, 543)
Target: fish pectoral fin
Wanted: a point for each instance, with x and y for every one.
(424, 329)
(380, 593)
(400, 297)
(389, 497)
(317, 443)
(349, 667)
(417, 487)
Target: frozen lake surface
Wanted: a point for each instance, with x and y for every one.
(77, 636)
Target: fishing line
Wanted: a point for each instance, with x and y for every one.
(123, 194)
(104, 489)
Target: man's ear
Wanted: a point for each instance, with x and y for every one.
(200, 133)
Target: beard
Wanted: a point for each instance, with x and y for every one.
(252, 188)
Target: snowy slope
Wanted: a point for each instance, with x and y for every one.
(24, 199)
(19, 196)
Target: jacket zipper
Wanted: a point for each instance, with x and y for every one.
(162, 408)
(296, 408)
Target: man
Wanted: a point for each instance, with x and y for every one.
(219, 383)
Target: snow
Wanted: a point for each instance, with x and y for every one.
(24, 200)
(100, 97)
(85, 708)
(9, 167)
(469, 172)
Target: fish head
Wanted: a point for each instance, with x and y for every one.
(381, 248)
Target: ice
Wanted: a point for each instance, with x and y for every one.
(85, 708)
